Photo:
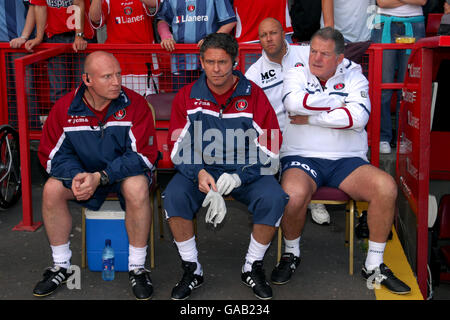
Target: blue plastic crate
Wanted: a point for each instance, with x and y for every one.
(106, 223)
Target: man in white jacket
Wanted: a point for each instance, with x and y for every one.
(277, 57)
(325, 144)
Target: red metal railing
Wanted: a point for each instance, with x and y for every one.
(159, 71)
(27, 222)
(375, 71)
(39, 63)
(422, 153)
(16, 104)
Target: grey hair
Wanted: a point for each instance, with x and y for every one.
(329, 33)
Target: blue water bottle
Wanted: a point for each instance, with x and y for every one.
(108, 261)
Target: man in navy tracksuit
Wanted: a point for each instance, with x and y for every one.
(224, 137)
(98, 139)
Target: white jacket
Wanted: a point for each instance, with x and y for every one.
(338, 113)
(269, 76)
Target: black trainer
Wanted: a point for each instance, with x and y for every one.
(283, 271)
(53, 278)
(141, 283)
(384, 276)
(190, 281)
(256, 279)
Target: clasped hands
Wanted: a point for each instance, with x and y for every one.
(214, 192)
(84, 185)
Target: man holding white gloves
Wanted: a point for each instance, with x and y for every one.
(224, 139)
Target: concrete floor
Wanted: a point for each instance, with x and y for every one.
(323, 272)
(322, 275)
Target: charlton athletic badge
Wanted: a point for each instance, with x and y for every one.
(119, 115)
(128, 11)
(241, 105)
(191, 7)
(299, 64)
(339, 86)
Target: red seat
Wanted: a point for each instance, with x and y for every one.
(329, 195)
(165, 163)
(444, 217)
(446, 254)
(162, 104)
(433, 23)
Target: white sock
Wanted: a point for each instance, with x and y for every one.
(188, 252)
(256, 252)
(292, 246)
(374, 255)
(136, 257)
(61, 255)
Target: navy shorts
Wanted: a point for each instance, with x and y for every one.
(323, 171)
(95, 202)
(264, 198)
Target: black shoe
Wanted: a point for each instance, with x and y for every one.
(256, 279)
(283, 271)
(53, 278)
(383, 275)
(141, 283)
(362, 228)
(190, 281)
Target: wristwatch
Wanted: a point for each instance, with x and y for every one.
(80, 34)
(104, 180)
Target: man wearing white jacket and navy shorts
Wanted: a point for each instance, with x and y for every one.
(325, 144)
(277, 57)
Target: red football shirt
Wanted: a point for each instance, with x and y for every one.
(249, 15)
(129, 22)
(61, 19)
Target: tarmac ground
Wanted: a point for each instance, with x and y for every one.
(322, 274)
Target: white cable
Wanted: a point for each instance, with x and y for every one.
(430, 284)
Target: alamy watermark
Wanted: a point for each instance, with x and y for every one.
(374, 281)
(74, 280)
(73, 22)
(370, 22)
(232, 147)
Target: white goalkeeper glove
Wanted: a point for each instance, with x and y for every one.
(217, 209)
(227, 182)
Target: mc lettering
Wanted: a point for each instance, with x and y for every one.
(267, 75)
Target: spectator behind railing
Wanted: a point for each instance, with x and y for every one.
(305, 16)
(444, 28)
(13, 25)
(395, 19)
(249, 15)
(12, 19)
(190, 24)
(130, 22)
(62, 24)
(350, 17)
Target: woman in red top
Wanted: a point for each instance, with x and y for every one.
(130, 22)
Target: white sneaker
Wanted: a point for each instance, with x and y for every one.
(319, 213)
(385, 147)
